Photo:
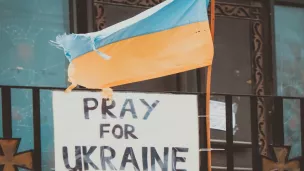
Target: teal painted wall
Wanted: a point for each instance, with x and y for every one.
(289, 36)
(27, 59)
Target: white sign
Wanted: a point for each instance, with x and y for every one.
(218, 115)
(137, 132)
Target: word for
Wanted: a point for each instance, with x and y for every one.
(118, 131)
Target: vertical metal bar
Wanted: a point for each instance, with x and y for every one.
(37, 129)
(229, 133)
(272, 45)
(200, 77)
(256, 158)
(302, 131)
(6, 112)
(278, 122)
(181, 79)
(202, 131)
(82, 16)
(72, 26)
(90, 16)
(73, 16)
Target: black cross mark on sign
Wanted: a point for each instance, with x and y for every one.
(281, 162)
(10, 159)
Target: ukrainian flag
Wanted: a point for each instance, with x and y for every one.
(169, 38)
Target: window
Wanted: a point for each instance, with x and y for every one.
(289, 50)
(27, 59)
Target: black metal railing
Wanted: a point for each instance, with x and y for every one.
(276, 121)
(230, 145)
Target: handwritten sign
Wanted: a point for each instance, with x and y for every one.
(136, 132)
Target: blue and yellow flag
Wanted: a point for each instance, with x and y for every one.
(169, 38)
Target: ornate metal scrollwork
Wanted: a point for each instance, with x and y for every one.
(138, 3)
(258, 65)
(99, 16)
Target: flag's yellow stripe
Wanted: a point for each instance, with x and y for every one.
(146, 57)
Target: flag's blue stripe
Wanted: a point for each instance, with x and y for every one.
(177, 13)
(172, 14)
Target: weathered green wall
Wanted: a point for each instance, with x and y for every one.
(27, 59)
(289, 36)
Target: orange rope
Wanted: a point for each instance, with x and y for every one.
(212, 23)
(208, 87)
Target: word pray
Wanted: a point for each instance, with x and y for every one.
(106, 108)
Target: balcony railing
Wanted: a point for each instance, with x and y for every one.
(274, 122)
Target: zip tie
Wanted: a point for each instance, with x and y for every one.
(103, 55)
(211, 149)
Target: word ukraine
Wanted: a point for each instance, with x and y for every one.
(139, 158)
(84, 162)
